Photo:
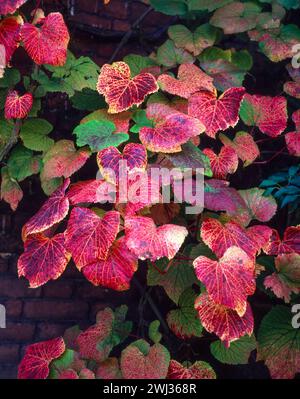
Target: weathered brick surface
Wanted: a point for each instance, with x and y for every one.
(55, 310)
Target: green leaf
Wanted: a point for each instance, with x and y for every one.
(191, 157)
(175, 276)
(137, 63)
(99, 135)
(238, 352)
(87, 100)
(154, 333)
(209, 5)
(10, 79)
(6, 130)
(170, 7)
(184, 321)
(170, 56)
(22, 163)
(64, 362)
(278, 342)
(34, 134)
(141, 120)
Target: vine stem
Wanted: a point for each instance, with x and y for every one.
(128, 34)
(271, 159)
(13, 139)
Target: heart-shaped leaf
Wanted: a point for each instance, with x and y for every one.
(244, 145)
(11, 192)
(197, 371)
(226, 162)
(10, 6)
(16, 106)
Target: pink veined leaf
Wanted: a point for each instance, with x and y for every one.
(289, 244)
(171, 129)
(54, 210)
(269, 114)
(228, 281)
(88, 341)
(16, 106)
(244, 145)
(147, 241)
(109, 369)
(226, 162)
(91, 191)
(292, 139)
(216, 113)
(190, 79)
(10, 6)
(258, 206)
(220, 237)
(35, 363)
(198, 370)
(135, 156)
(43, 259)
(223, 321)
(279, 288)
(63, 160)
(10, 35)
(116, 270)
(142, 361)
(89, 237)
(48, 43)
(121, 91)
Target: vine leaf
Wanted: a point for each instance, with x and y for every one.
(238, 352)
(184, 321)
(290, 242)
(228, 281)
(198, 371)
(223, 321)
(89, 237)
(54, 210)
(35, 363)
(279, 343)
(48, 43)
(142, 361)
(43, 259)
(11, 192)
(16, 106)
(269, 114)
(226, 162)
(90, 191)
(216, 113)
(244, 145)
(116, 270)
(147, 241)
(121, 91)
(10, 35)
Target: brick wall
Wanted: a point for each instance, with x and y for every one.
(44, 313)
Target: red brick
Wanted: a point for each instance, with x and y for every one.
(49, 330)
(121, 26)
(17, 332)
(90, 6)
(13, 308)
(55, 310)
(137, 9)
(58, 289)
(88, 291)
(91, 21)
(116, 8)
(9, 353)
(3, 265)
(17, 288)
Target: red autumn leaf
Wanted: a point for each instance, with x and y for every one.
(292, 139)
(279, 288)
(62, 160)
(88, 341)
(109, 369)
(220, 237)
(54, 210)
(147, 241)
(289, 244)
(228, 281)
(258, 206)
(68, 374)
(224, 163)
(142, 361)
(48, 43)
(89, 237)
(197, 371)
(223, 321)
(35, 363)
(120, 91)
(16, 106)
(11, 192)
(10, 35)
(135, 156)
(269, 114)
(190, 79)
(171, 129)
(244, 145)
(90, 191)
(10, 6)
(43, 259)
(216, 113)
(116, 270)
